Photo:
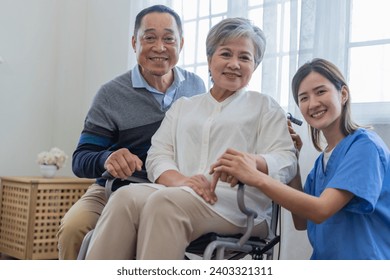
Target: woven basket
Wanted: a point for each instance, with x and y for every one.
(31, 209)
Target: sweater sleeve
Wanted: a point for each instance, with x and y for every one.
(96, 142)
(88, 158)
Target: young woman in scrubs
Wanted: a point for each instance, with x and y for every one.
(345, 202)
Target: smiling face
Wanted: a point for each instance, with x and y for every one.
(158, 45)
(321, 103)
(232, 65)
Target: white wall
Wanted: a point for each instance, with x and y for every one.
(56, 54)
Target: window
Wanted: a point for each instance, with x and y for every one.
(369, 51)
(353, 34)
(198, 17)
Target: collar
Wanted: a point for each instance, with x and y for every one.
(230, 98)
(139, 81)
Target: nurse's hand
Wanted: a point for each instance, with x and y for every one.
(234, 166)
(295, 137)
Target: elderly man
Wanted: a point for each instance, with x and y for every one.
(124, 115)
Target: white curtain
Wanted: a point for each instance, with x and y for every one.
(323, 30)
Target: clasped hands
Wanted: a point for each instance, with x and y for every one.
(230, 167)
(234, 166)
(225, 170)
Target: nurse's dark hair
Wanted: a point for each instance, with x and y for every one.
(330, 71)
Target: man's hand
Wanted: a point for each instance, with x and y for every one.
(122, 163)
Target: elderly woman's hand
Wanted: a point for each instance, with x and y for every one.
(234, 166)
(222, 176)
(202, 187)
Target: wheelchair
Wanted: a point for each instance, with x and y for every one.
(213, 245)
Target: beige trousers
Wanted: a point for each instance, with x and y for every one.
(80, 219)
(140, 222)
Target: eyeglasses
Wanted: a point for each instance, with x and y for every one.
(152, 39)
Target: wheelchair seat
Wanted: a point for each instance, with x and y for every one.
(213, 245)
(232, 247)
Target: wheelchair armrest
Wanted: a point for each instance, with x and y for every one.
(137, 177)
(241, 202)
(251, 215)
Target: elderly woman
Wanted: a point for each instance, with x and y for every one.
(159, 220)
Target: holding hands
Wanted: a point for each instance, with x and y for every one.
(234, 166)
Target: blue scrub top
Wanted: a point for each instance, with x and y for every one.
(360, 164)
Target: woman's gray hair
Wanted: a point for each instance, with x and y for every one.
(233, 28)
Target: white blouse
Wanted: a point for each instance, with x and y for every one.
(196, 131)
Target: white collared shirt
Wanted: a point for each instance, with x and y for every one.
(197, 131)
(165, 99)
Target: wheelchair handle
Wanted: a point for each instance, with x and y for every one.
(136, 177)
(251, 215)
(241, 202)
(107, 175)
